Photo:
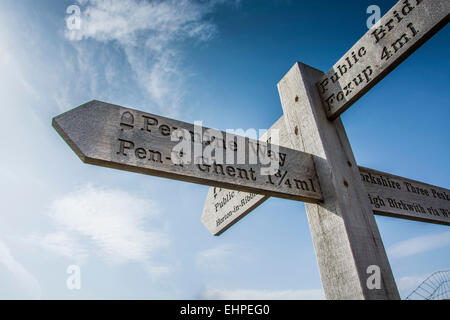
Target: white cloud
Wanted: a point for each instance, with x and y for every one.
(125, 20)
(27, 281)
(314, 294)
(149, 32)
(118, 226)
(419, 244)
(215, 259)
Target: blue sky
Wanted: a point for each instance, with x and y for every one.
(217, 61)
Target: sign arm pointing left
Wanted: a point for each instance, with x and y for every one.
(112, 136)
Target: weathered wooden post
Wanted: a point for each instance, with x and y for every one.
(343, 228)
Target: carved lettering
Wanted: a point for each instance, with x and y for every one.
(379, 51)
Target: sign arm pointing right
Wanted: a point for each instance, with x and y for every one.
(400, 32)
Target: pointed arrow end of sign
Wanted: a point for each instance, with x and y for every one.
(72, 126)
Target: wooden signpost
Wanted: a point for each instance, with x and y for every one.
(388, 194)
(313, 162)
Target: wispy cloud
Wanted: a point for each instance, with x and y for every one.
(62, 244)
(126, 20)
(420, 244)
(118, 226)
(27, 281)
(314, 294)
(149, 33)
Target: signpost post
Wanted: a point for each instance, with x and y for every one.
(343, 229)
(313, 162)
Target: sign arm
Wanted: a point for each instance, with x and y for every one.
(401, 31)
